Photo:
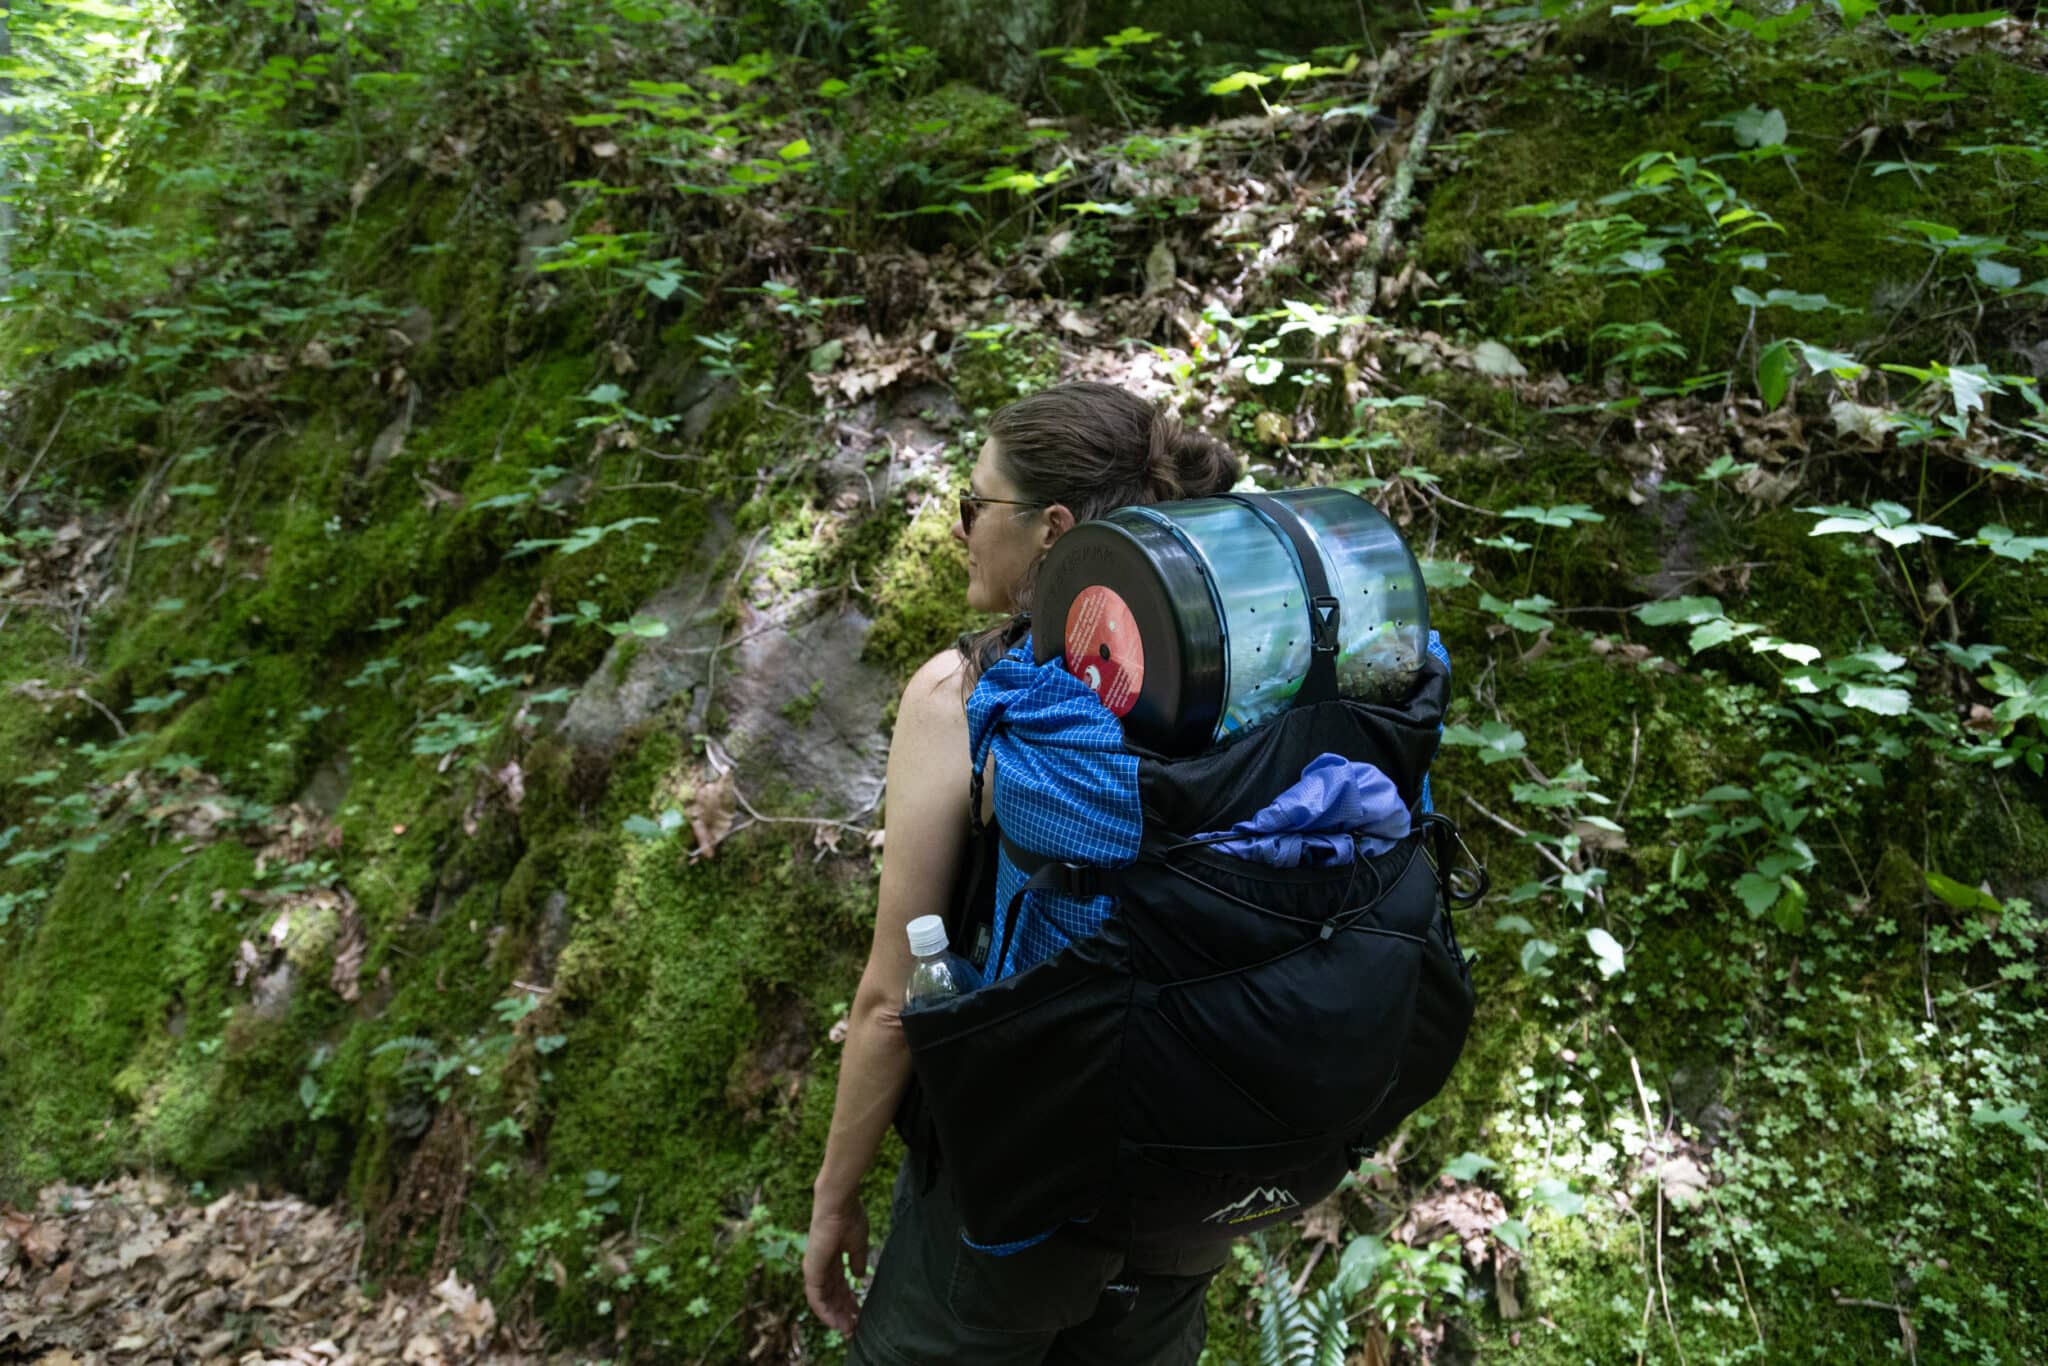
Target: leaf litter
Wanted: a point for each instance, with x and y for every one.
(129, 1271)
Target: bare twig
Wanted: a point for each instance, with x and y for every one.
(1926, 992)
(669, 484)
(48, 442)
(1740, 1279)
(1518, 833)
(165, 875)
(740, 797)
(1301, 1281)
(1906, 1332)
(1650, 1128)
(1635, 754)
(1649, 1295)
(1365, 284)
(33, 688)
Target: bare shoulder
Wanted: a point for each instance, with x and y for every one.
(933, 694)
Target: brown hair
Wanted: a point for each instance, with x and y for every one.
(1093, 447)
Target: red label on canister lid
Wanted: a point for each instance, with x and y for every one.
(1104, 649)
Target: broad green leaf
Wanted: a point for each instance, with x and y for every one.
(1804, 303)
(1558, 1197)
(667, 823)
(1535, 954)
(1758, 893)
(2000, 541)
(1840, 364)
(2013, 1117)
(1890, 522)
(1720, 631)
(1883, 701)
(1774, 373)
(1360, 1265)
(1492, 358)
(1967, 385)
(1465, 1166)
(651, 628)
(1562, 515)
(1788, 912)
(1443, 575)
(1673, 611)
(1495, 741)
(1960, 895)
(1236, 81)
(1607, 952)
(1997, 274)
(1984, 18)
(1754, 127)
(1884, 661)
(1521, 614)
(1548, 208)
(1939, 232)
(794, 151)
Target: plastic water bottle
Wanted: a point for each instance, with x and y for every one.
(939, 972)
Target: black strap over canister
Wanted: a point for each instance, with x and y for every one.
(1324, 614)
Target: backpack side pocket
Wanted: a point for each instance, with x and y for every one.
(1022, 1081)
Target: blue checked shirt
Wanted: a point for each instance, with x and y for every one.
(1065, 789)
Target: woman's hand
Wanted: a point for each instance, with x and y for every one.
(837, 1227)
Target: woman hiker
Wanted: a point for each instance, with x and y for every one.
(1061, 456)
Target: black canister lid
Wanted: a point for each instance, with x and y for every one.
(1132, 610)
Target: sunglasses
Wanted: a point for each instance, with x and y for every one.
(970, 504)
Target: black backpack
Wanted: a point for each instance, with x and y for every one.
(1235, 1038)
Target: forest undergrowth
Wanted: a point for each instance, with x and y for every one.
(473, 480)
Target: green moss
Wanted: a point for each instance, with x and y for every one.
(683, 993)
(918, 594)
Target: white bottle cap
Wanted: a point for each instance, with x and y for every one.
(927, 936)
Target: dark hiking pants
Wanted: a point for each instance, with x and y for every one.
(1065, 1302)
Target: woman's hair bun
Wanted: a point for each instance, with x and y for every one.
(1184, 463)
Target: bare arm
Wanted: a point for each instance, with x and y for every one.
(923, 799)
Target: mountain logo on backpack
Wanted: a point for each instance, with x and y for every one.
(1261, 1203)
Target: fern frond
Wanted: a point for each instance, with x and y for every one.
(1329, 1327)
(1279, 1319)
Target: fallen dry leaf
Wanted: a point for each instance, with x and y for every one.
(711, 808)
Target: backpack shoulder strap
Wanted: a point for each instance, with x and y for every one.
(971, 909)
